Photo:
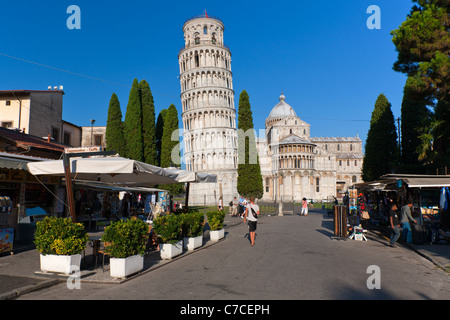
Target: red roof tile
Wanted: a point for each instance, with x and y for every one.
(29, 140)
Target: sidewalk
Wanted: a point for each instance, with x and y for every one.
(19, 273)
(438, 254)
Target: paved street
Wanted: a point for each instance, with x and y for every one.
(294, 258)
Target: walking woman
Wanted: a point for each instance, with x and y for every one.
(220, 205)
(251, 213)
(304, 207)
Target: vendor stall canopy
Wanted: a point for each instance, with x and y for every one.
(117, 170)
(391, 181)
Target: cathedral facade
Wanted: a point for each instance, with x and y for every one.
(295, 165)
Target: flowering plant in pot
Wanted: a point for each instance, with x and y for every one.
(125, 241)
(169, 231)
(60, 243)
(192, 229)
(215, 221)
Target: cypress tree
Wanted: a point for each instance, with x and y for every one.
(148, 123)
(381, 144)
(415, 115)
(133, 125)
(167, 145)
(170, 150)
(159, 134)
(249, 182)
(114, 127)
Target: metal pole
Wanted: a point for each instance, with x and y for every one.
(186, 203)
(69, 187)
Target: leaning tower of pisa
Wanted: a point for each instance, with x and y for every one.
(209, 116)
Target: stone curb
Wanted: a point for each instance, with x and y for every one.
(27, 289)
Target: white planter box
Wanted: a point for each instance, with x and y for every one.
(123, 267)
(60, 263)
(216, 235)
(192, 243)
(169, 251)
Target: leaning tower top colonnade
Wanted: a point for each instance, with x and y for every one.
(207, 96)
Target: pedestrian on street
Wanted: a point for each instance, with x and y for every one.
(395, 225)
(251, 213)
(241, 206)
(304, 207)
(405, 218)
(235, 207)
(220, 205)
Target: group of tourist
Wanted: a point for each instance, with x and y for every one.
(247, 209)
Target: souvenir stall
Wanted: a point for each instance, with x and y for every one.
(6, 230)
(375, 198)
(98, 203)
(430, 197)
(23, 200)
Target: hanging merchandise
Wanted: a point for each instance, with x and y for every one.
(444, 198)
(6, 232)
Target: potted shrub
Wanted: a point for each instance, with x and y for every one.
(125, 241)
(215, 221)
(60, 243)
(192, 229)
(168, 229)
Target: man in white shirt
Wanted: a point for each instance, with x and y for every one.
(251, 213)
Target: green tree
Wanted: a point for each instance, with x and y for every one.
(170, 148)
(415, 116)
(148, 123)
(381, 149)
(133, 125)
(249, 182)
(159, 134)
(423, 46)
(114, 127)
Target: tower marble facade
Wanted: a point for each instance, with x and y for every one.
(208, 112)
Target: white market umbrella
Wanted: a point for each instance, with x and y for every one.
(106, 169)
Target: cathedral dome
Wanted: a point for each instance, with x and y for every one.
(282, 110)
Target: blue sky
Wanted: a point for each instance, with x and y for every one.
(321, 54)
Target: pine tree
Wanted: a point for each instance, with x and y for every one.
(148, 123)
(159, 134)
(381, 149)
(170, 149)
(114, 127)
(422, 42)
(133, 125)
(249, 182)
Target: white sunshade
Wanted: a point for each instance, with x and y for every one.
(191, 176)
(117, 170)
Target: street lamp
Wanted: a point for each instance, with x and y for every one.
(92, 128)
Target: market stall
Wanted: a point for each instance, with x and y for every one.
(20, 193)
(115, 202)
(430, 197)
